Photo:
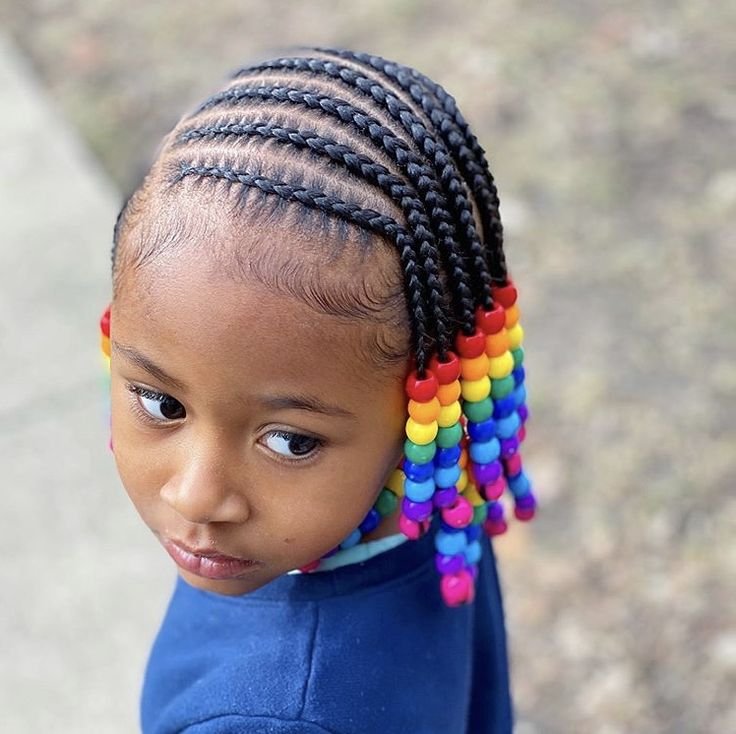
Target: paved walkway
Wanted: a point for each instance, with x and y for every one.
(83, 584)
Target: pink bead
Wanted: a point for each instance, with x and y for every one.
(459, 514)
(309, 567)
(521, 434)
(524, 513)
(494, 490)
(499, 527)
(456, 588)
(513, 465)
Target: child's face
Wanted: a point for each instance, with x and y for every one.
(275, 435)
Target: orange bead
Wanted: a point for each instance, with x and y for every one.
(463, 460)
(512, 316)
(497, 344)
(474, 369)
(424, 412)
(448, 394)
(105, 344)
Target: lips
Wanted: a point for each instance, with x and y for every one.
(207, 563)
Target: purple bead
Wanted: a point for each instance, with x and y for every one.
(495, 511)
(509, 446)
(523, 412)
(449, 564)
(417, 511)
(444, 497)
(473, 568)
(487, 473)
(526, 502)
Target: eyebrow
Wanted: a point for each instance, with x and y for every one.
(140, 360)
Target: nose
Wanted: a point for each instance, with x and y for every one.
(201, 492)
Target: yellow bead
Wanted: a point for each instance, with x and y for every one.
(463, 460)
(476, 390)
(449, 415)
(501, 366)
(474, 369)
(396, 482)
(472, 495)
(424, 412)
(421, 433)
(497, 344)
(512, 316)
(105, 344)
(516, 336)
(448, 394)
(106, 361)
(462, 482)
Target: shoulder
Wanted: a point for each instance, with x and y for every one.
(235, 724)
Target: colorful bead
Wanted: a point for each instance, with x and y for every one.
(419, 491)
(506, 295)
(463, 460)
(519, 374)
(483, 431)
(444, 497)
(501, 366)
(371, 522)
(105, 345)
(418, 472)
(450, 393)
(309, 567)
(476, 368)
(521, 435)
(451, 436)
(473, 496)
(447, 476)
(487, 473)
(416, 511)
(502, 387)
(504, 407)
(448, 457)
(519, 395)
(512, 465)
(497, 344)
(471, 345)
(525, 508)
(449, 415)
(419, 453)
(462, 480)
(491, 322)
(456, 588)
(473, 533)
(520, 485)
(473, 552)
(105, 322)
(509, 446)
(476, 390)
(422, 389)
(459, 514)
(486, 452)
(449, 564)
(395, 482)
(424, 412)
(480, 513)
(496, 523)
(523, 413)
(518, 355)
(512, 316)
(448, 371)
(495, 489)
(352, 539)
(478, 411)
(386, 502)
(449, 544)
(411, 528)
(516, 336)
(507, 427)
(421, 433)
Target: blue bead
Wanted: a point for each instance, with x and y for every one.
(447, 477)
(418, 472)
(486, 452)
(473, 532)
(504, 407)
(473, 552)
(519, 395)
(508, 427)
(447, 457)
(351, 540)
(520, 485)
(519, 375)
(483, 431)
(419, 491)
(450, 544)
(371, 522)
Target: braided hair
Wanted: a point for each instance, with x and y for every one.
(354, 140)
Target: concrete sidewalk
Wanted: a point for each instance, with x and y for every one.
(83, 582)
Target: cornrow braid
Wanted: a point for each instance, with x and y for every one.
(434, 150)
(366, 219)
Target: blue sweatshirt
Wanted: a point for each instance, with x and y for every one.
(368, 648)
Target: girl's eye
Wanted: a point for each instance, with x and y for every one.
(158, 405)
(291, 445)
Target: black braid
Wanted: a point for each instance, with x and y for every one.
(426, 142)
(367, 219)
(372, 172)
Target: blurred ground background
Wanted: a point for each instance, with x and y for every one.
(610, 130)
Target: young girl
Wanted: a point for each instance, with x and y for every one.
(317, 404)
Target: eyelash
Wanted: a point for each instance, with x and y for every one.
(143, 392)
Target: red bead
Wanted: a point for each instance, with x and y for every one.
(495, 527)
(309, 567)
(491, 322)
(422, 389)
(105, 322)
(471, 346)
(447, 372)
(506, 295)
(524, 513)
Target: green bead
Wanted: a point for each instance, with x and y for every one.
(386, 502)
(480, 513)
(518, 355)
(503, 387)
(419, 454)
(480, 411)
(449, 437)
